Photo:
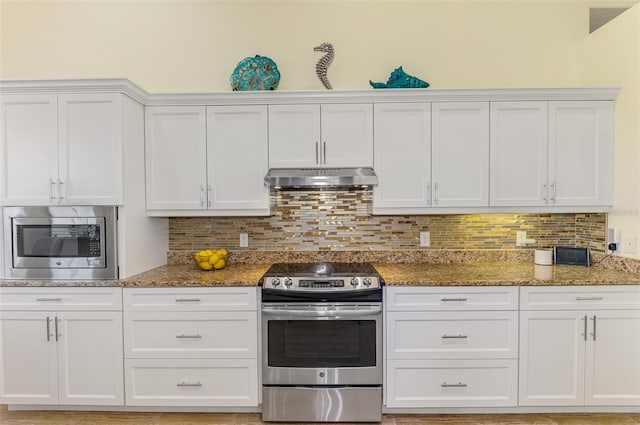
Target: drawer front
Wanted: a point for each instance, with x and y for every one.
(452, 335)
(190, 335)
(447, 298)
(580, 297)
(61, 298)
(451, 383)
(191, 299)
(202, 383)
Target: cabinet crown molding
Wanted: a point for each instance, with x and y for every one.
(129, 88)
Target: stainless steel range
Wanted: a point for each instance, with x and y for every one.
(322, 343)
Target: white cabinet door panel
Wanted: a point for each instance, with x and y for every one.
(29, 143)
(402, 156)
(28, 365)
(90, 149)
(294, 136)
(191, 335)
(237, 298)
(551, 358)
(460, 152)
(581, 153)
(613, 358)
(90, 360)
(518, 150)
(176, 157)
(415, 298)
(193, 382)
(347, 135)
(237, 158)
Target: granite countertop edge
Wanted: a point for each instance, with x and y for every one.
(403, 274)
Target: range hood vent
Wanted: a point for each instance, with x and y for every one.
(320, 177)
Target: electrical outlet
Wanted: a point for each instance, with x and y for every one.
(244, 240)
(425, 238)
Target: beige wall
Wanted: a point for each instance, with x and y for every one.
(611, 56)
(168, 46)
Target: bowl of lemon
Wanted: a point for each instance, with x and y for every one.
(211, 259)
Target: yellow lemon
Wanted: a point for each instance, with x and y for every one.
(214, 259)
(204, 265)
(223, 252)
(220, 264)
(208, 252)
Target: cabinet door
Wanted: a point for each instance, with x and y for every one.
(90, 149)
(402, 156)
(176, 157)
(29, 143)
(581, 153)
(294, 136)
(347, 135)
(90, 358)
(613, 358)
(518, 151)
(460, 154)
(552, 350)
(28, 367)
(237, 158)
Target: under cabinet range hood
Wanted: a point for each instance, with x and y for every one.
(320, 177)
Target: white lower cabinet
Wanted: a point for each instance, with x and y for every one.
(71, 357)
(443, 350)
(191, 347)
(584, 349)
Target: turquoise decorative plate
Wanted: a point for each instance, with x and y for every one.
(255, 73)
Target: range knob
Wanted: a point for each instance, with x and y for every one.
(366, 281)
(275, 282)
(355, 281)
(288, 282)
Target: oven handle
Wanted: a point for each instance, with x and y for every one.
(356, 312)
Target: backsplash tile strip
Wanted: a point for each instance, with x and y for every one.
(341, 220)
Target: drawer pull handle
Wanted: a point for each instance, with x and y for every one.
(189, 384)
(458, 385)
(48, 299)
(459, 336)
(189, 336)
(589, 298)
(453, 299)
(188, 300)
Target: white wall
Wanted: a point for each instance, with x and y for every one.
(185, 46)
(611, 56)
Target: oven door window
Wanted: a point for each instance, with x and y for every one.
(67, 240)
(322, 343)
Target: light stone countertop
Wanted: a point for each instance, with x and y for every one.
(418, 274)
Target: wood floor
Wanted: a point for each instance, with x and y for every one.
(103, 418)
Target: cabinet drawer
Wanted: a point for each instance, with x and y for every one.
(451, 383)
(207, 383)
(452, 335)
(580, 297)
(61, 298)
(191, 299)
(403, 298)
(190, 335)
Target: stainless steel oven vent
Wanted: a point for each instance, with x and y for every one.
(320, 177)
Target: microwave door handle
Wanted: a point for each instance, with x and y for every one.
(322, 313)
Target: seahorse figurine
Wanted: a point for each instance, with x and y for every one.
(324, 62)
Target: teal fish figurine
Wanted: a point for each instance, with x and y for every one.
(400, 80)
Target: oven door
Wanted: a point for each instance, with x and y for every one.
(322, 344)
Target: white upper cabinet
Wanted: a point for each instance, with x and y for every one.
(206, 160)
(332, 135)
(176, 157)
(431, 155)
(518, 153)
(580, 153)
(237, 158)
(557, 153)
(402, 156)
(63, 149)
(460, 154)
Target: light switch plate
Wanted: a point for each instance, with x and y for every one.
(425, 238)
(244, 240)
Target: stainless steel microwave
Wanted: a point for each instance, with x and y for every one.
(61, 242)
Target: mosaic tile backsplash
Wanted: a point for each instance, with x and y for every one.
(341, 220)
